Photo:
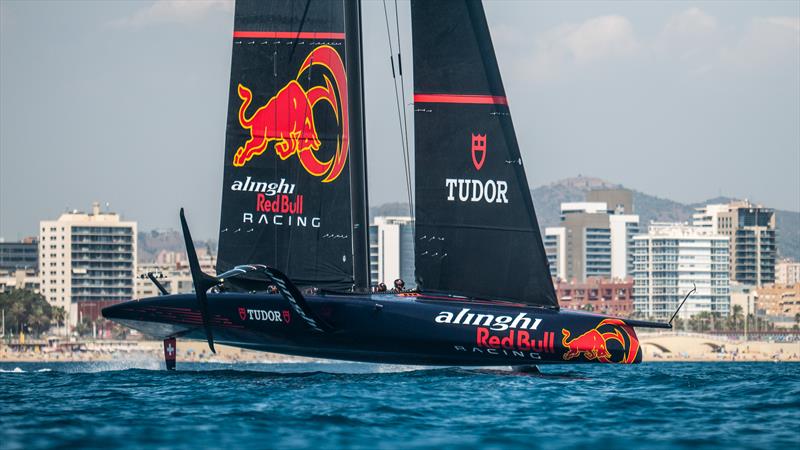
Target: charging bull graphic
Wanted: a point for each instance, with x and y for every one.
(593, 344)
(288, 118)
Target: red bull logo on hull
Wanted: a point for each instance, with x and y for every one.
(593, 344)
(287, 119)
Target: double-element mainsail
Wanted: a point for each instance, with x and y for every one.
(286, 198)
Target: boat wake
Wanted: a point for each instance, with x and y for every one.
(322, 368)
(19, 370)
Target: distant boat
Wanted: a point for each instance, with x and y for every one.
(294, 209)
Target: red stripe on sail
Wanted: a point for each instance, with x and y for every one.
(455, 98)
(287, 35)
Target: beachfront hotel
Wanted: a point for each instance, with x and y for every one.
(669, 260)
(86, 258)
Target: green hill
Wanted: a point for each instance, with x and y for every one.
(651, 208)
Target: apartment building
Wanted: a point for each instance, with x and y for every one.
(672, 258)
(85, 257)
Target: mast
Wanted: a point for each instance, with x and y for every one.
(357, 136)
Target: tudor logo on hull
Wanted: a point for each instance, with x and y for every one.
(491, 321)
(265, 315)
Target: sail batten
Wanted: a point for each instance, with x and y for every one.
(477, 232)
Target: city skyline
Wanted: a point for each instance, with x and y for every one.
(707, 91)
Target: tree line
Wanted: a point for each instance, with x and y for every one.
(28, 312)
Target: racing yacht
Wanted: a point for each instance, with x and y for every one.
(293, 273)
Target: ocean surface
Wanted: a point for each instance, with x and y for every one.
(367, 406)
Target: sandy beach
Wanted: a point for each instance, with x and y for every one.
(675, 347)
(656, 347)
(188, 351)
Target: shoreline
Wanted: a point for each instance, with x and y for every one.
(687, 347)
(655, 348)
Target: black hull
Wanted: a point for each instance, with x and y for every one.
(391, 328)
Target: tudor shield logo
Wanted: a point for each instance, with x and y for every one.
(478, 150)
(242, 313)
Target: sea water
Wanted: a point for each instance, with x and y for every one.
(367, 406)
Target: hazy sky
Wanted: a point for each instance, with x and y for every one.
(125, 102)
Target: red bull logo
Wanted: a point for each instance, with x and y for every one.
(287, 119)
(593, 344)
(515, 340)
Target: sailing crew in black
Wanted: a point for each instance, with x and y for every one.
(399, 285)
(381, 287)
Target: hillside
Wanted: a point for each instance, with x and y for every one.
(548, 199)
(788, 223)
(149, 243)
(651, 208)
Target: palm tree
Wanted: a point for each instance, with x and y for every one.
(59, 315)
(84, 327)
(716, 322)
(25, 307)
(736, 316)
(703, 320)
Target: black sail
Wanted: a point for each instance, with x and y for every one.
(476, 229)
(286, 188)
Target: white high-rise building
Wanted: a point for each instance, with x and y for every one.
(669, 260)
(594, 239)
(623, 228)
(752, 234)
(555, 245)
(391, 242)
(86, 257)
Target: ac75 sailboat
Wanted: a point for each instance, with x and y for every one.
(294, 209)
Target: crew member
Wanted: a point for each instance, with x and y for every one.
(381, 287)
(399, 285)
